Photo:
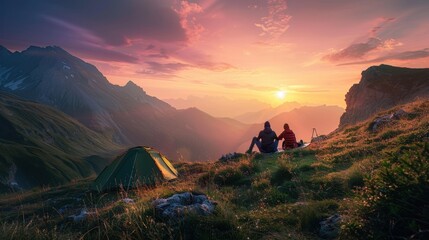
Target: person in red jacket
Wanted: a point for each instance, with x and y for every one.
(266, 141)
(289, 138)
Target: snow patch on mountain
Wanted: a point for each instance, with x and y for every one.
(14, 85)
(4, 73)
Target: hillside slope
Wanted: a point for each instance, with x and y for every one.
(40, 145)
(262, 196)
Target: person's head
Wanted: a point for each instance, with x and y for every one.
(286, 126)
(267, 124)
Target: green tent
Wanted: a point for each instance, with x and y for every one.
(139, 166)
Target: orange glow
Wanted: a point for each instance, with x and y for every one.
(270, 51)
(280, 94)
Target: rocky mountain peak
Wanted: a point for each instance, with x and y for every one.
(131, 86)
(382, 87)
(4, 51)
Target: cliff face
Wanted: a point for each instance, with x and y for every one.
(382, 87)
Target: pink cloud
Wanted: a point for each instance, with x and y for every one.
(188, 21)
(359, 50)
(277, 22)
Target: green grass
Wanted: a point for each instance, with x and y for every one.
(264, 196)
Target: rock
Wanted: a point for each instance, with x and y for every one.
(64, 208)
(379, 122)
(330, 227)
(128, 200)
(179, 205)
(83, 215)
(383, 87)
(230, 157)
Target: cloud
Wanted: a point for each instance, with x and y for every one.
(114, 22)
(162, 53)
(359, 50)
(186, 12)
(109, 29)
(380, 23)
(155, 68)
(277, 22)
(169, 69)
(215, 66)
(99, 53)
(407, 55)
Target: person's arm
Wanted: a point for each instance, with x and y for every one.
(281, 136)
(260, 135)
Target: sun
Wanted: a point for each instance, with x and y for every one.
(280, 94)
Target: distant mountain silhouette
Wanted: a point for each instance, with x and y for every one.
(218, 106)
(382, 87)
(263, 115)
(40, 145)
(54, 77)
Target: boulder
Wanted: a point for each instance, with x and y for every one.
(128, 200)
(181, 204)
(330, 227)
(382, 121)
(231, 157)
(82, 216)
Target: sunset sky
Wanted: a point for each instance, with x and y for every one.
(270, 50)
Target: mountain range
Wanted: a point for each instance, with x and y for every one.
(267, 113)
(127, 114)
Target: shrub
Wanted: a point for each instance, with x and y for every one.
(228, 176)
(311, 214)
(331, 188)
(305, 168)
(261, 182)
(395, 202)
(248, 168)
(390, 134)
(206, 178)
(216, 226)
(291, 189)
(355, 179)
(283, 173)
(275, 197)
(352, 129)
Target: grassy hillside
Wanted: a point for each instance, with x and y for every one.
(40, 145)
(377, 181)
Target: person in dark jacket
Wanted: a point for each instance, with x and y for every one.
(289, 138)
(266, 141)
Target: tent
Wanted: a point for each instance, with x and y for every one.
(139, 166)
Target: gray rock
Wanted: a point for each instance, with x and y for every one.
(128, 200)
(330, 227)
(382, 121)
(82, 216)
(179, 205)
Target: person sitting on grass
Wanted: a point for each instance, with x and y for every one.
(266, 141)
(289, 138)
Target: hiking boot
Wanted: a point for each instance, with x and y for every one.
(248, 152)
